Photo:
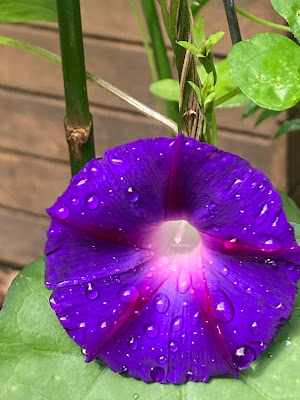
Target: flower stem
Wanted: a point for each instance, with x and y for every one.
(214, 128)
(147, 111)
(232, 21)
(262, 21)
(159, 49)
(227, 96)
(78, 121)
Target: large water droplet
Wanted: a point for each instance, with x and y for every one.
(92, 202)
(162, 303)
(81, 184)
(62, 212)
(128, 294)
(133, 343)
(151, 329)
(184, 282)
(243, 356)
(133, 194)
(157, 374)
(195, 319)
(261, 216)
(177, 323)
(91, 291)
(223, 308)
(161, 359)
(230, 244)
(173, 346)
(269, 244)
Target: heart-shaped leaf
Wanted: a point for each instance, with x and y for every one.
(266, 69)
(28, 10)
(40, 362)
(290, 11)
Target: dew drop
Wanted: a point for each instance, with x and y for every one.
(115, 161)
(133, 343)
(230, 244)
(151, 329)
(95, 171)
(204, 374)
(280, 306)
(62, 212)
(190, 376)
(65, 321)
(111, 192)
(173, 346)
(128, 294)
(162, 303)
(177, 323)
(75, 201)
(223, 308)
(125, 369)
(136, 396)
(254, 329)
(102, 327)
(157, 374)
(92, 202)
(91, 291)
(243, 356)
(123, 181)
(249, 290)
(184, 282)
(81, 184)
(269, 244)
(261, 216)
(224, 271)
(212, 205)
(133, 195)
(189, 144)
(195, 319)
(161, 359)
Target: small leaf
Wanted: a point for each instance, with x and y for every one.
(167, 89)
(250, 109)
(199, 33)
(290, 11)
(197, 90)
(28, 10)
(290, 208)
(266, 69)
(264, 115)
(212, 40)
(291, 125)
(191, 47)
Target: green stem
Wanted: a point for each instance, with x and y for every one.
(214, 128)
(262, 21)
(54, 58)
(159, 49)
(79, 128)
(227, 96)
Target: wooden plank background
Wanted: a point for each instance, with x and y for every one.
(33, 154)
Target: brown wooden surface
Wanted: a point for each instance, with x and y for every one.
(33, 153)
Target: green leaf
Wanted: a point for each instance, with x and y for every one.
(167, 89)
(197, 90)
(264, 115)
(197, 6)
(290, 11)
(192, 48)
(212, 40)
(290, 207)
(250, 109)
(291, 125)
(297, 231)
(266, 69)
(199, 33)
(40, 362)
(28, 10)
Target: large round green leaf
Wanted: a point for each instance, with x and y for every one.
(28, 10)
(40, 362)
(290, 10)
(267, 69)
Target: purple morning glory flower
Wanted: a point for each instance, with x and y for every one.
(171, 260)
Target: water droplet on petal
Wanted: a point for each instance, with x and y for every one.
(173, 346)
(161, 359)
(102, 327)
(223, 308)
(151, 329)
(125, 369)
(65, 321)
(230, 244)
(249, 290)
(224, 271)
(243, 356)
(111, 192)
(190, 376)
(262, 215)
(62, 212)
(123, 181)
(133, 195)
(92, 202)
(91, 291)
(269, 244)
(195, 319)
(255, 329)
(157, 374)
(81, 184)
(177, 323)
(162, 303)
(133, 343)
(184, 282)
(128, 294)
(115, 161)
(280, 306)
(204, 374)
(75, 201)
(95, 171)
(212, 205)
